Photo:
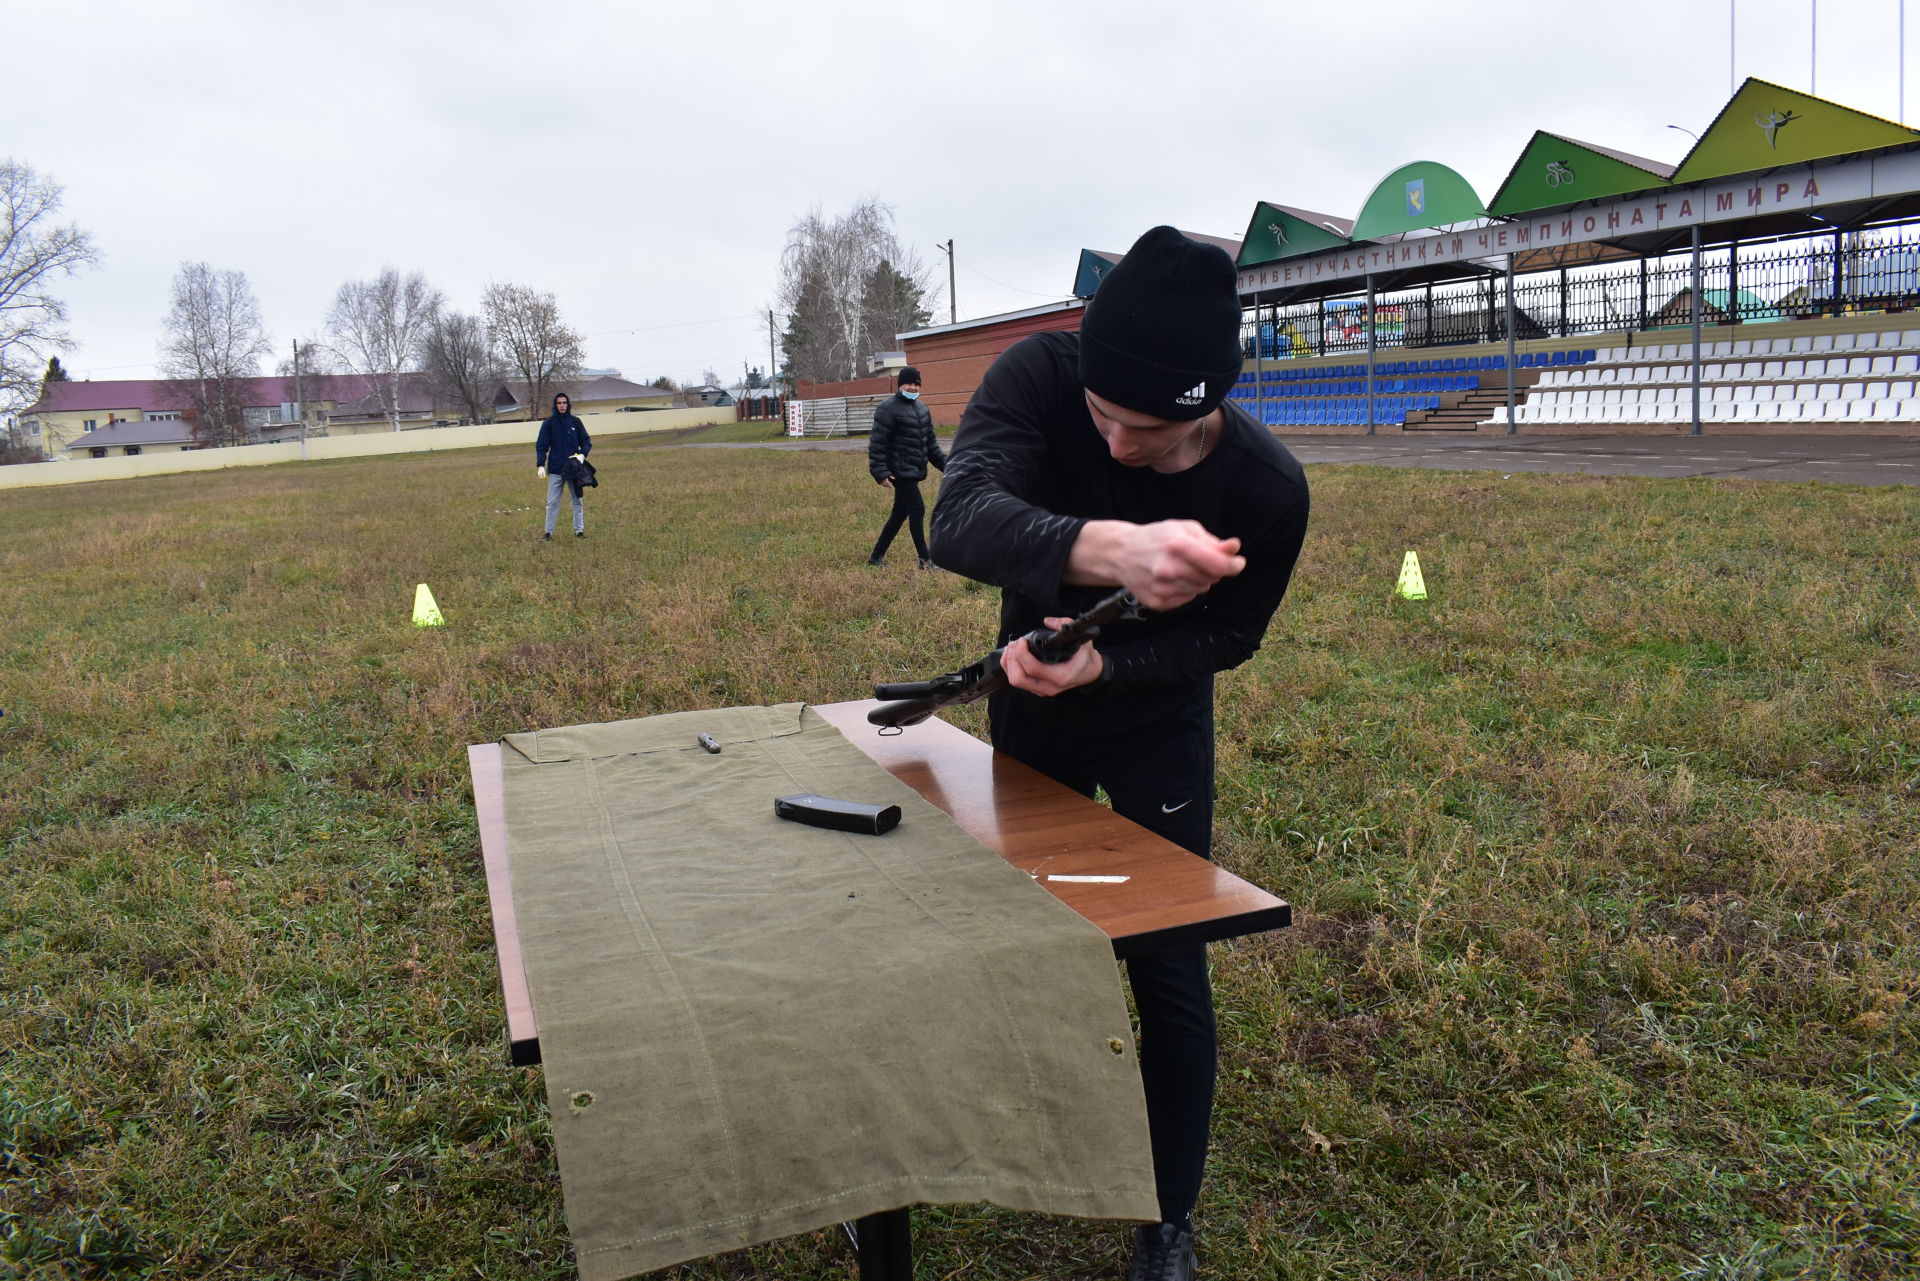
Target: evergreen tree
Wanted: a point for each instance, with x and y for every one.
(56, 373)
(894, 305)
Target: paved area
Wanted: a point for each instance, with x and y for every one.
(1845, 460)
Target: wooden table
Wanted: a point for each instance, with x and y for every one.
(1171, 898)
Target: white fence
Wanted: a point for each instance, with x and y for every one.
(835, 416)
(422, 440)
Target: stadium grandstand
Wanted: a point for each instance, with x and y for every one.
(1760, 283)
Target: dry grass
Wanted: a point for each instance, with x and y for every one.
(1604, 859)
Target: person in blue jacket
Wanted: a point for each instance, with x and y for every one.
(562, 444)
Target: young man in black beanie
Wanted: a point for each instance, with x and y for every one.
(898, 451)
(1112, 458)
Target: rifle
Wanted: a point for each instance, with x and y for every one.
(910, 702)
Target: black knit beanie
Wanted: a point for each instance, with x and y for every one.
(1162, 335)
(908, 374)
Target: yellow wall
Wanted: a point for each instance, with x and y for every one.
(115, 467)
(662, 401)
(58, 430)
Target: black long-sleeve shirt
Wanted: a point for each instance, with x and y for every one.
(1028, 469)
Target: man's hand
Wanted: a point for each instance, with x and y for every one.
(542, 472)
(1026, 672)
(887, 482)
(579, 458)
(1166, 564)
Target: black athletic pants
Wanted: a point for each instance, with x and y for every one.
(909, 509)
(1161, 777)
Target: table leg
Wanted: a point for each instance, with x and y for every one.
(884, 1245)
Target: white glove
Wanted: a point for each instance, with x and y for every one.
(579, 458)
(542, 471)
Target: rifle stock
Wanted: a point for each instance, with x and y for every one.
(911, 702)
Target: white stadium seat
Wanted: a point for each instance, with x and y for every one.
(1823, 342)
(1843, 342)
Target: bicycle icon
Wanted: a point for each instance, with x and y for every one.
(1558, 174)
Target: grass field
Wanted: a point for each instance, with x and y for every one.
(1605, 862)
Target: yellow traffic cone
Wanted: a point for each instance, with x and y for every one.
(1411, 585)
(425, 612)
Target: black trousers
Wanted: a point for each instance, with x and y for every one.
(1161, 777)
(909, 509)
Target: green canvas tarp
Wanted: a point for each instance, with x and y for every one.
(752, 1028)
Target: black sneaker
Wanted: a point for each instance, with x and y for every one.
(547, 537)
(579, 533)
(1162, 1252)
(926, 562)
(876, 562)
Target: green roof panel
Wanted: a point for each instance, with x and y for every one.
(1764, 126)
(1417, 196)
(1277, 231)
(1555, 170)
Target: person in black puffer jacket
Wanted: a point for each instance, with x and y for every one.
(898, 452)
(562, 446)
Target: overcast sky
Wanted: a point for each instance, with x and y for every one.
(644, 161)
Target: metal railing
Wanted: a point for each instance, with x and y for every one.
(1827, 274)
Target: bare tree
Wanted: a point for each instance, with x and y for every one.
(312, 359)
(532, 341)
(463, 366)
(379, 327)
(212, 341)
(846, 283)
(33, 251)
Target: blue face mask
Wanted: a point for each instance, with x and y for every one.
(911, 395)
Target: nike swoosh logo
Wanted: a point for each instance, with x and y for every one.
(1169, 809)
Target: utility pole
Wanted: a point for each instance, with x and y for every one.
(773, 366)
(299, 398)
(953, 302)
